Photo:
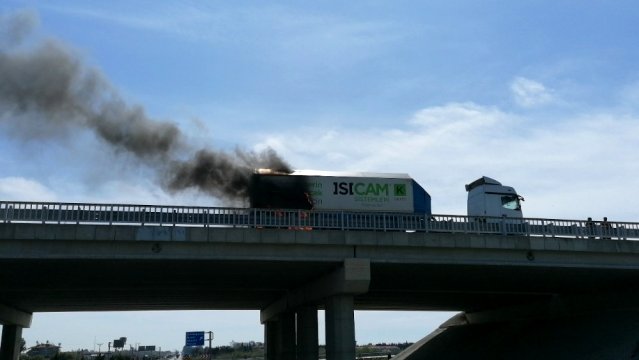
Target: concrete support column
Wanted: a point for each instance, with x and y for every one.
(337, 290)
(10, 346)
(287, 336)
(307, 341)
(271, 340)
(279, 337)
(340, 328)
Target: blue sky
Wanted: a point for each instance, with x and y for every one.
(541, 95)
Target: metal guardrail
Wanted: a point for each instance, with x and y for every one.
(84, 213)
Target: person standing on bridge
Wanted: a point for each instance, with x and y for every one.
(605, 228)
(590, 227)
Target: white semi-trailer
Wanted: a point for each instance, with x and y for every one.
(347, 191)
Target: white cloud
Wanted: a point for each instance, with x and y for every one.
(241, 23)
(183, 20)
(529, 93)
(148, 192)
(21, 189)
(283, 35)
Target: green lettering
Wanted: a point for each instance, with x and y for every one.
(400, 190)
(367, 189)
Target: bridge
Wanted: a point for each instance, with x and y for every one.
(290, 263)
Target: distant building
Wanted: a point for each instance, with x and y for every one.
(45, 350)
(237, 345)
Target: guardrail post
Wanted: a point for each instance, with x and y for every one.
(253, 213)
(503, 224)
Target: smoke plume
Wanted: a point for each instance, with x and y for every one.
(46, 89)
(223, 174)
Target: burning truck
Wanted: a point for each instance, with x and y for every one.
(371, 192)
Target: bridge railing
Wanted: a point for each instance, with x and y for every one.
(84, 213)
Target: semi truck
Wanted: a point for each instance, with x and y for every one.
(487, 197)
(372, 192)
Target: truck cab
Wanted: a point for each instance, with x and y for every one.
(487, 197)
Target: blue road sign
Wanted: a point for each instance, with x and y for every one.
(194, 338)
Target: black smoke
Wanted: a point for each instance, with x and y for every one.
(221, 174)
(46, 89)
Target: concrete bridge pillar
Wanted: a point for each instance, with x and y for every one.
(10, 346)
(279, 336)
(287, 336)
(270, 339)
(340, 328)
(337, 290)
(13, 321)
(307, 343)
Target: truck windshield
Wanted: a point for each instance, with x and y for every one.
(511, 202)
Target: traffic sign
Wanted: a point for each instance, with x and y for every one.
(194, 338)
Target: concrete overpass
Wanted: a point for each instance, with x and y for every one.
(83, 259)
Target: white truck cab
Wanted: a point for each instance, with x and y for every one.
(487, 197)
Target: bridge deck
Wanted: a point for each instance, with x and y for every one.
(55, 267)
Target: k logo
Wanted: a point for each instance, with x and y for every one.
(400, 190)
